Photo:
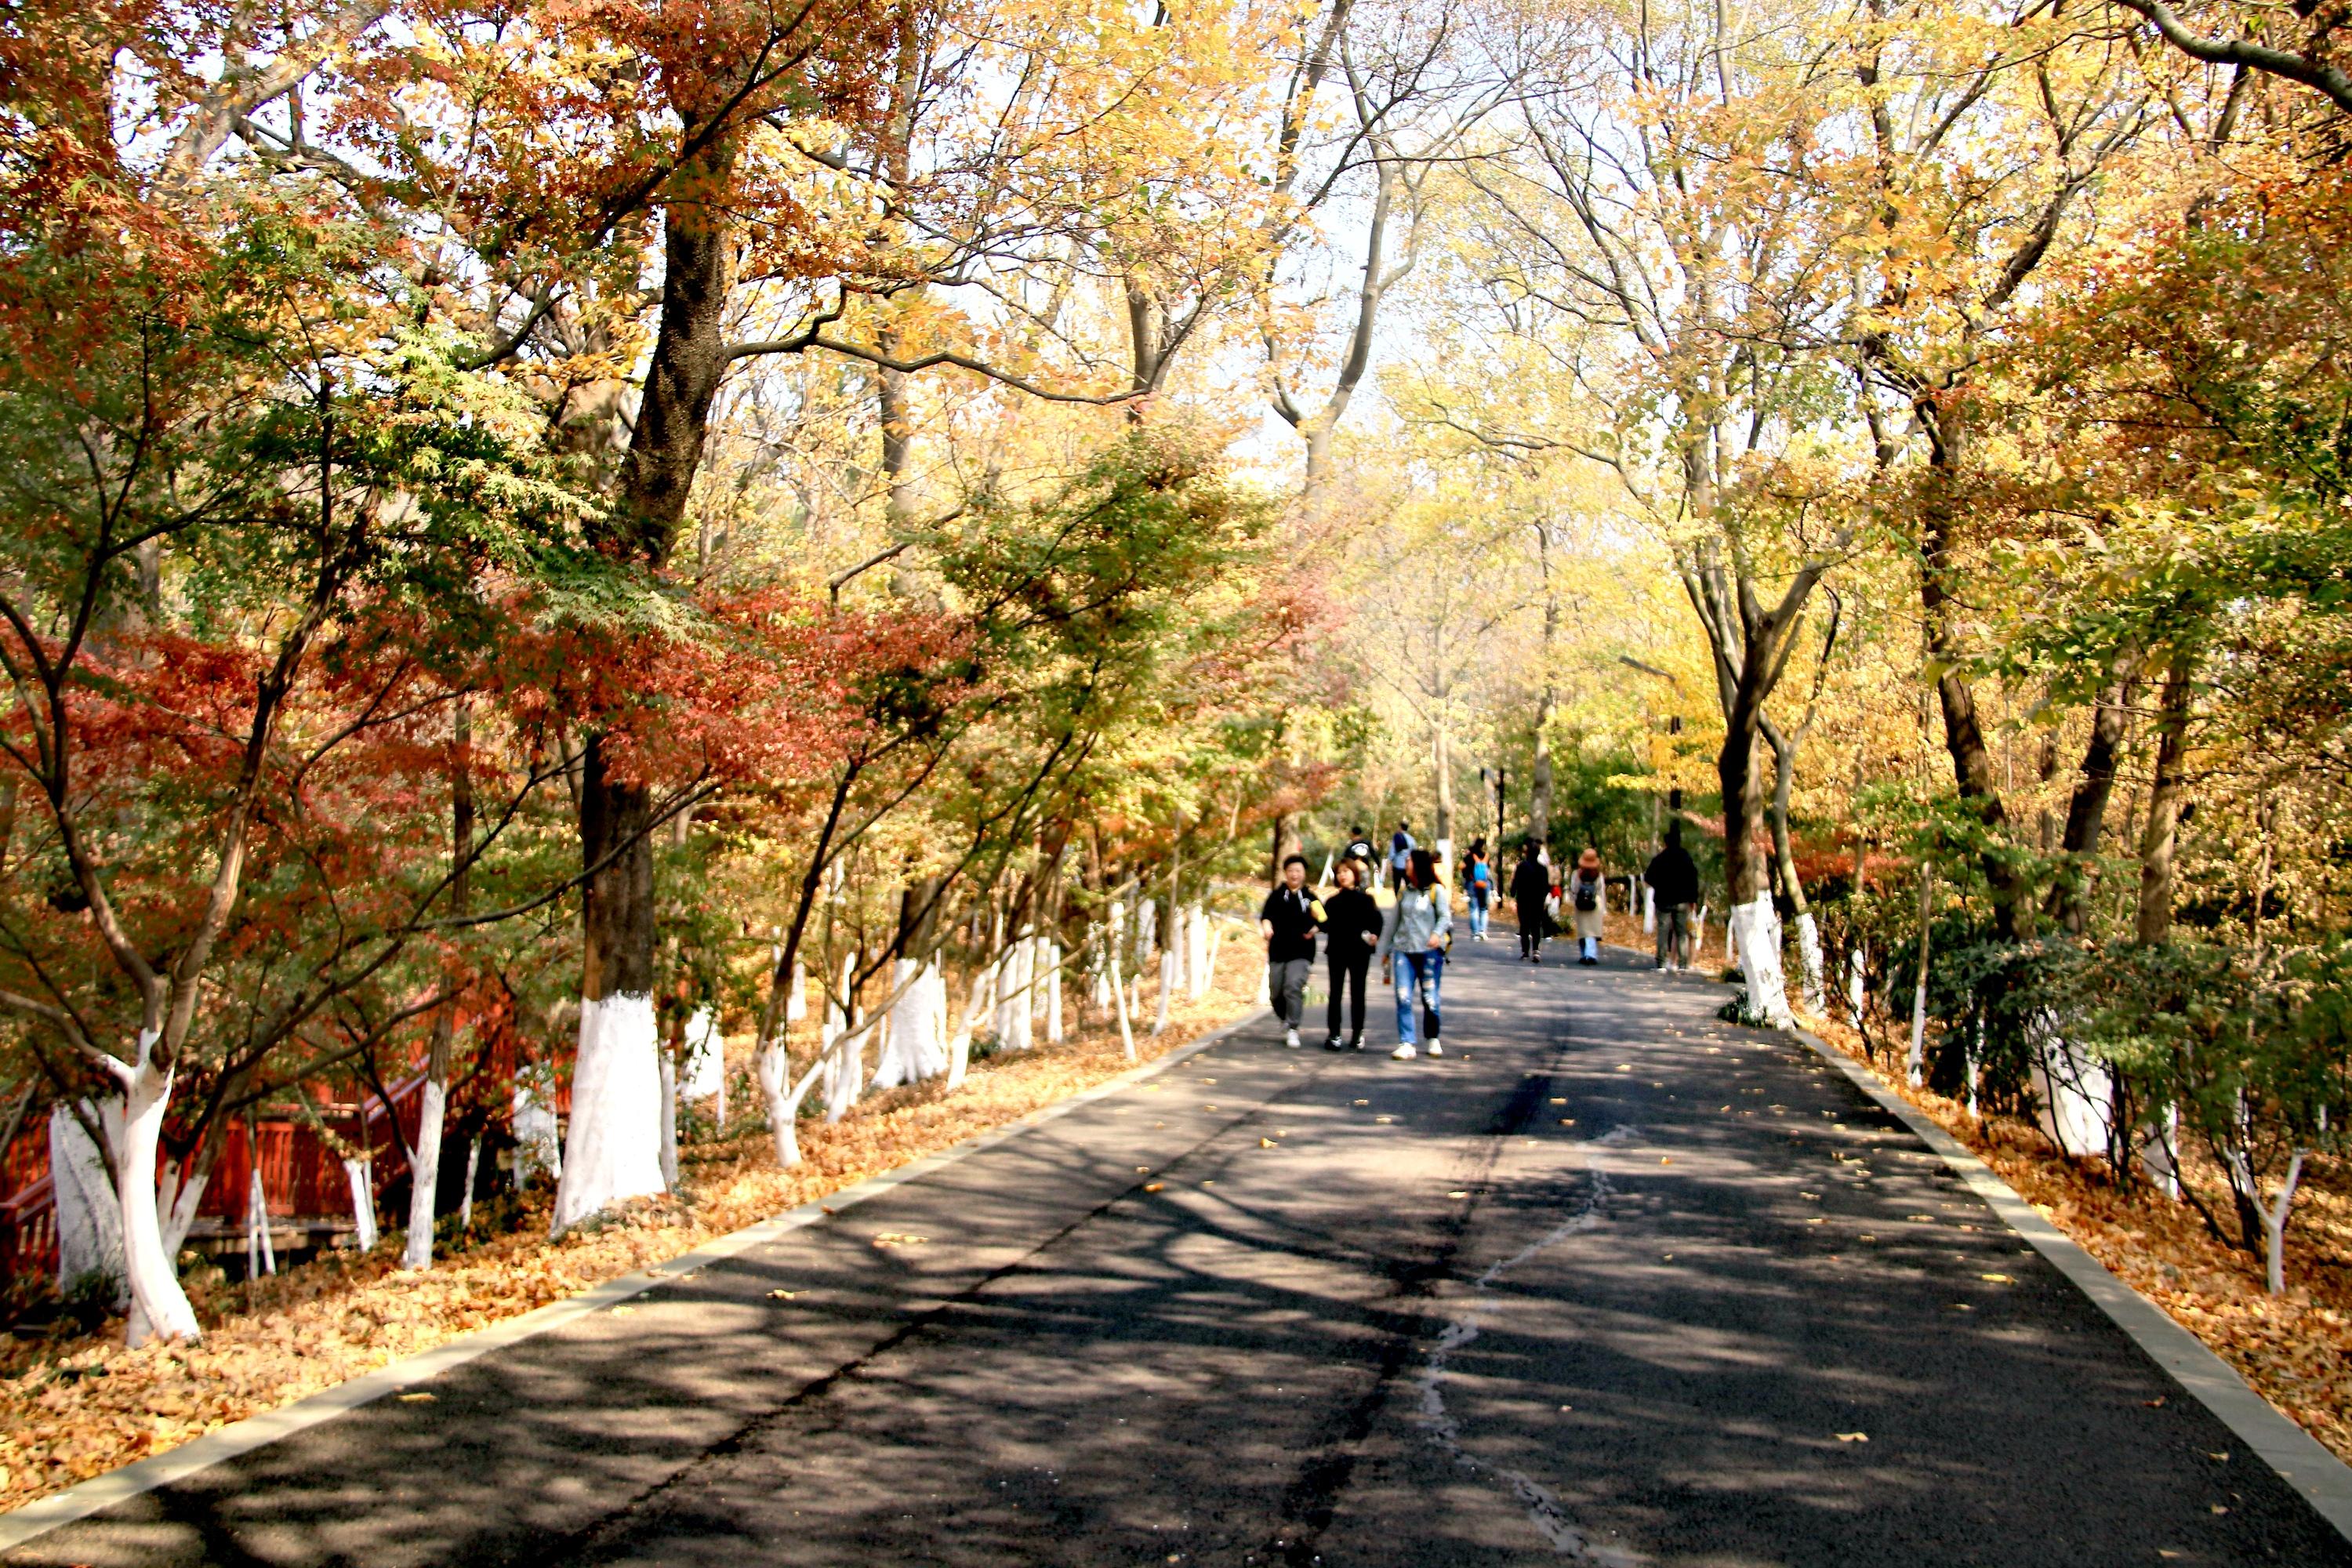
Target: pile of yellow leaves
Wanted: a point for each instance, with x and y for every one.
(2294, 1348)
(76, 1409)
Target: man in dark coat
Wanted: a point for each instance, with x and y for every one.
(1531, 886)
(1673, 877)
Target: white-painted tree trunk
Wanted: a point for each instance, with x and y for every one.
(1167, 987)
(1808, 964)
(2074, 1094)
(1915, 1059)
(846, 1080)
(424, 1176)
(773, 1068)
(666, 1074)
(361, 1174)
(796, 999)
(1698, 933)
(473, 1169)
(1756, 929)
(539, 1143)
(1104, 952)
(705, 1073)
(1053, 991)
(1857, 970)
(159, 1308)
(959, 1043)
(915, 1047)
(260, 1252)
(89, 1213)
(1649, 910)
(614, 1152)
(1216, 945)
(1196, 951)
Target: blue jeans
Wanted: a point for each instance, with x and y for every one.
(1425, 970)
(1477, 915)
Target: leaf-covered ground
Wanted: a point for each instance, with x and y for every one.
(76, 1408)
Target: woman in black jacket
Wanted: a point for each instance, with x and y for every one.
(1351, 923)
(1531, 886)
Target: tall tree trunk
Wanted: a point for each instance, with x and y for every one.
(2087, 811)
(1444, 749)
(613, 1150)
(2158, 840)
(1808, 937)
(1964, 739)
(1539, 778)
(425, 1161)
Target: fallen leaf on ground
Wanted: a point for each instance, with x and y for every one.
(1153, 1186)
(898, 1238)
(1853, 1436)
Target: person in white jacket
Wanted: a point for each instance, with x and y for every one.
(1412, 950)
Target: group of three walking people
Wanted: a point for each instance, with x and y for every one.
(1409, 940)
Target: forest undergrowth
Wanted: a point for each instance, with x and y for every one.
(74, 1408)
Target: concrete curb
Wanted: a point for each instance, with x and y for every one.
(2315, 1475)
(80, 1501)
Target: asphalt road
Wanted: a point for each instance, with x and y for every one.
(1610, 1283)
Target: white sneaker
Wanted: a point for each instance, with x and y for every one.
(1404, 1053)
(1435, 1049)
(1291, 1039)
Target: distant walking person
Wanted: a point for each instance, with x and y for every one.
(1674, 880)
(1412, 950)
(1588, 895)
(1289, 922)
(1478, 884)
(1531, 886)
(1400, 849)
(1351, 923)
(1361, 851)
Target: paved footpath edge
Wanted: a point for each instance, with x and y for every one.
(84, 1498)
(2308, 1467)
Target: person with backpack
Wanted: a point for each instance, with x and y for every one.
(1412, 950)
(1351, 927)
(1588, 895)
(1479, 884)
(1673, 877)
(1289, 920)
(1530, 888)
(1400, 848)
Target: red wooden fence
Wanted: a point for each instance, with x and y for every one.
(301, 1176)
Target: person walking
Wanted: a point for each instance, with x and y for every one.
(1479, 885)
(1360, 849)
(1673, 877)
(1412, 950)
(1588, 895)
(1351, 926)
(1289, 922)
(1401, 847)
(1530, 887)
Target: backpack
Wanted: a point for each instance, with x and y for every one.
(1588, 895)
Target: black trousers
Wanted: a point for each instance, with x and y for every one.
(1532, 931)
(1349, 969)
